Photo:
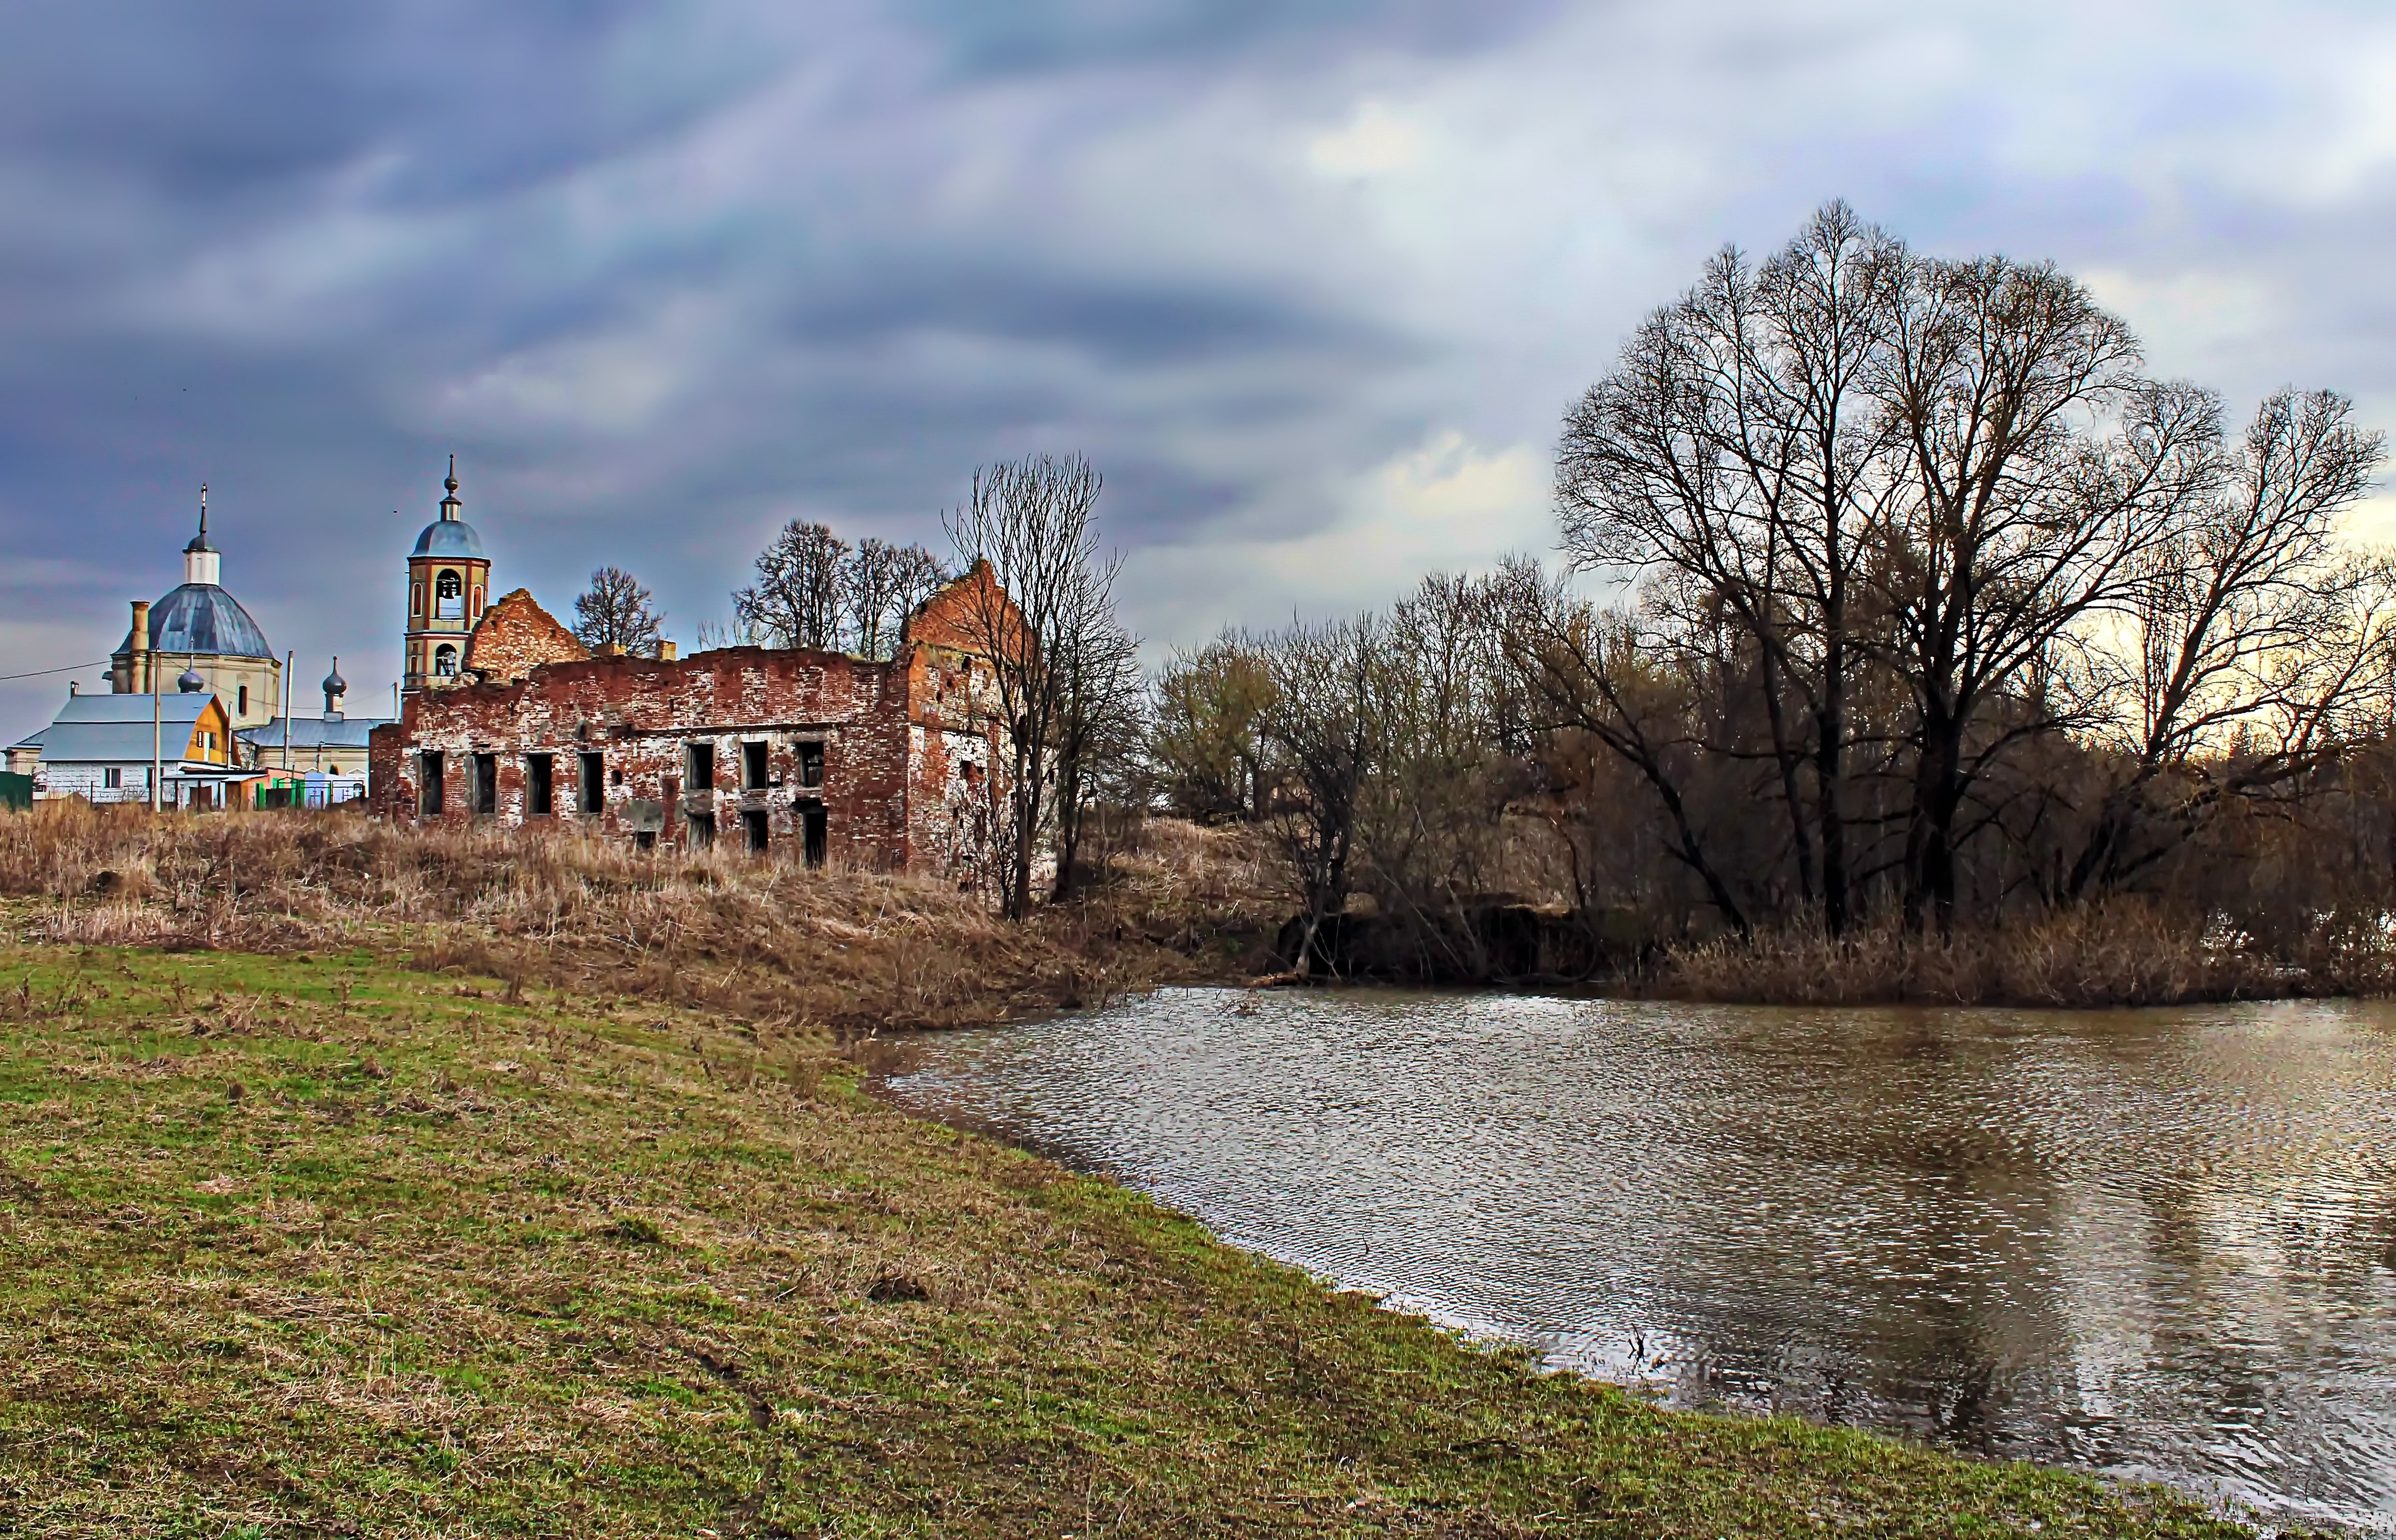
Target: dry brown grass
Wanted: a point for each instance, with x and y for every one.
(761, 940)
(2123, 955)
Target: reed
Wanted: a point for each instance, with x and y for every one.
(2121, 955)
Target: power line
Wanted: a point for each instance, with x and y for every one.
(43, 673)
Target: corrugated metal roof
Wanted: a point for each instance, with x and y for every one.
(314, 733)
(115, 729)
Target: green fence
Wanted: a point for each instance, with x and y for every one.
(15, 791)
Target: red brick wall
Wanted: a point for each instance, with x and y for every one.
(894, 736)
(641, 716)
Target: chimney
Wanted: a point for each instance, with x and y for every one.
(611, 649)
(138, 680)
(665, 652)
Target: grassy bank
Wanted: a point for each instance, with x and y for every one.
(317, 1244)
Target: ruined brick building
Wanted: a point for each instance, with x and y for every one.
(819, 755)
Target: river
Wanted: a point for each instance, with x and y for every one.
(2159, 1244)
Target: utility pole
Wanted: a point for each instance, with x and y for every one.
(156, 756)
(286, 714)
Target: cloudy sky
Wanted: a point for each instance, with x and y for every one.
(1310, 283)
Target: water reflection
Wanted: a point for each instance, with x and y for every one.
(2158, 1243)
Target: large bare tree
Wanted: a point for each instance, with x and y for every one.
(1739, 446)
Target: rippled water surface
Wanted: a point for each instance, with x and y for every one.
(2160, 1243)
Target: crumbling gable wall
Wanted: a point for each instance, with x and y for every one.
(957, 767)
(517, 636)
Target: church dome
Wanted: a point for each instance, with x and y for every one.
(451, 537)
(202, 617)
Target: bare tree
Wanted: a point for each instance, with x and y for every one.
(2249, 626)
(1037, 603)
(1208, 712)
(2041, 476)
(916, 576)
(616, 609)
(797, 599)
(882, 585)
(1099, 721)
(1324, 731)
(1740, 445)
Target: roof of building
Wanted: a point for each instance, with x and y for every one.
(451, 537)
(202, 617)
(347, 732)
(116, 728)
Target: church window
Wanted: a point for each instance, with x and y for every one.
(244, 700)
(445, 661)
(449, 594)
(416, 598)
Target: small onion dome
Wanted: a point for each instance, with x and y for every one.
(191, 683)
(334, 684)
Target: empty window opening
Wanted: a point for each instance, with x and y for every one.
(486, 784)
(810, 765)
(539, 787)
(616, 778)
(449, 594)
(702, 830)
(644, 839)
(752, 823)
(592, 784)
(429, 783)
(244, 706)
(445, 661)
(752, 765)
(811, 820)
(698, 761)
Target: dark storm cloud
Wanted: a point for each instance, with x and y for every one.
(1310, 282)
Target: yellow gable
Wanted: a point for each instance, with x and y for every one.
(212, 735)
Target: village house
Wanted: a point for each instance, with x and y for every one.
(829, 757)
(103, 748)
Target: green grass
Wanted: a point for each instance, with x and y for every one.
(321, 1247)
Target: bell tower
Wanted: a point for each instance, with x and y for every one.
(448, 581)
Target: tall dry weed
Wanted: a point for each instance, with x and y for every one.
(765, 941)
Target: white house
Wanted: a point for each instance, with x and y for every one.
(101, 747)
